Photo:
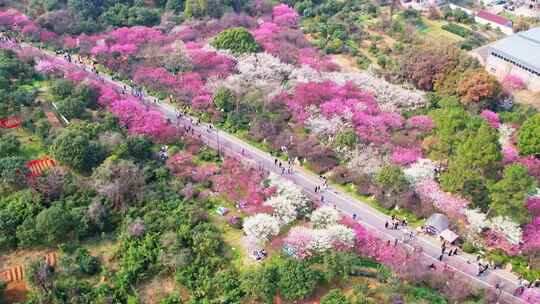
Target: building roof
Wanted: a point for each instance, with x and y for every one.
(494, 18)
(449, 235)
(522, 48)
(438, 221)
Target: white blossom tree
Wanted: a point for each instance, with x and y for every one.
(421, 170)
(289, 202)
(324, 216)
(260, 228)
(507, 227)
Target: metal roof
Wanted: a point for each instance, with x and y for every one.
(494, 18)
(523, 48)
(438, 221)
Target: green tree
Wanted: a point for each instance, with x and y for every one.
(62, 88)
(9, 145)
(137, 147)
(453, 124)
(224, 99)
(297, 279)
(86, 9)
(12, 172)
(173, 298)
(261, 283)
(53, 224)
(508, 195)
(72, 148)
(195, 8)
(392, 184)
(14, 210)
(528, 141)
(227, 287)
(335, 296)
(143, 16)
(238, 40)
(338, 265)
(71, 107)
(476, 158)
(392, 179)
(175, 5)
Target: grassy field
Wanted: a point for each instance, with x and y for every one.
(435, 32)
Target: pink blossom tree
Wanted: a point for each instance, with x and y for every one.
(531, 236)
(421, 122)
(491, 117)
(513, 82)
(451, 205)
(405, 156)
(284, 15)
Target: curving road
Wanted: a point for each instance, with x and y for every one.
(366, 215)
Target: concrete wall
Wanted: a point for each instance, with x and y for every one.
(501, 68)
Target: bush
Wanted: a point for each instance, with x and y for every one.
(468, 247)
(457, 29)
(238, 40)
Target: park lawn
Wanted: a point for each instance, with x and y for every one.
(233, 238)
(435, 32)
(31, 145)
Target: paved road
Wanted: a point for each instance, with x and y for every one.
(367, 215)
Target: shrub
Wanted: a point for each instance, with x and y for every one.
(238, 40)
(457, 29)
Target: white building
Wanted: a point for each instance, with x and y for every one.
(519, 55)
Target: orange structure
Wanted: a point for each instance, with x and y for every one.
(38, 166)
(10, 122)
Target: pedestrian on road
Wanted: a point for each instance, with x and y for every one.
(386, 225)
(395, 242)
(354, 216)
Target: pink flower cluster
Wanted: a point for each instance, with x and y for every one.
(492, 118)
(209, 63)
(513, 82)
(421, 122)
(139, 120)
(290, 46)
(531, 296)
(372, 125)
(531, 235)
(309, 56)
(533, 205)
(496, 240)
(405, 156)
(284, 15)
(14, 20)
(115, 49)
(239, 183)
(452, 206)
(183, 166)
(371, 245)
